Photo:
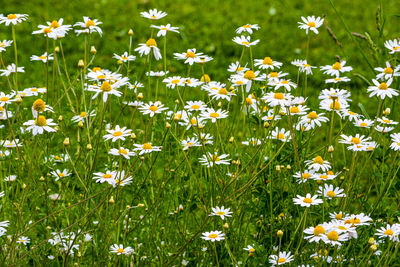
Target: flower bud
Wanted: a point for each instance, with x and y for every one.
(205, 78)
(167, 125)
(373, 247)
(386, 112)
(57, 49)
(111, 201)
(371, 241)
(231, 139)
(66, 142)
(80, 124)
(279, 233)
(41, 178)
(81, 64)
(93, 49)
(89, 147)
(278, 168)
(130, 32)
(266, 124)
(60, 118)
(226, 226)
(140, 96)
(331, 149)
(133, 136)
(18, 99)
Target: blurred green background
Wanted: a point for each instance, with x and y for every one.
(209, 26)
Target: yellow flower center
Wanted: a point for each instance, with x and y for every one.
(252, 250)
(47, 30)
(123, 151)
(396, 48)
(2, 44)
(247, 26)
(117, 133)
(41, 121)
(175, 81)
(319, 230)
(284, 82)
(311, 24)
(249, 75)
(363, 124)
(388, 70)
(280, 136)
(83, 114)
(214, 115)
(307, 200)
(249, 101)
(4, 99)
(294, 109)
(351, 113)
(305, 175)
(147, 146)
(193, 121)
(383, 86)
(273, 74)
(342, 228)
(245, 43)
(220, 213)
(239, 82)
(337, 105)
(279, 96)
(43, 57)
(61, 174)
(106, 87)
(312, 115)
(151, 42)
(153, 108)
(355, 140)
(90, 23)
(223, 91)
(120, 250)
(337, 79)
(213, 236)
(388, 232)
(39, 105)
(96, 69)
(331, 194)
(333, 236)
(239, 69)
(339, 216)
(322, 176)
(12, 16)
(336, 66)
(195, 106)
(319, 160)
(267, 61)
(107, 176)
(215, 158)
(57, 157)
(190, 54)
(281, 260)
(306, 65)
(54, 24)
(124, 58)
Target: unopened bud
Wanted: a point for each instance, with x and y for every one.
(373, 247)
(89, 147)
(231, 139)
(60, 118)
(133, 136)
(288, 167)
(219, 104)
(371, 241)
(111, 201)
(167, 125)
(278, 168)
(205, 78)
(24, 186)
(226, 226)
(266, 124)
(140, 205)
(176, 101)
(120, 62)
(81, 64)
(66, 142)
(80, 124)
(41, 178)
(279, 233)
(130, 32)
(331, 149)
(386, 112)
(140, 96)
(93, 49)
(57, 49)
(18, 99)
(180, 208)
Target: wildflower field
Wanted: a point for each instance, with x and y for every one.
(184, 134)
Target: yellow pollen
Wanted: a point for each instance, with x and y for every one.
(319, 160)
(312, 115)
(12, 16)
(147, 146)
(190, 54)
(151, 42)
(319, 230)
(336, 66)
(279, 96)
(43, 57)
(61, 174)
(107, 176)
(120, 250)
(195, 106)
(223, 91)
(239, 82)
(388, 70)
(363, 124)
(386, 121)
(220, 213)
(294, 109)
(213, 236)
(83, 114)
(383, 86)
(311, 24)
(305, 175)
(214, 115)
(333, 236)
(4, 99)
(247, 26)
(105, 87)
(249, 75)
(90, 23)
(117, 133)
(388, 232)
(281, 260)
(245, 43)
(268, 61)
(331, 194)
(163, 28)
(307, 200)
(355, 140)
(153, 108)
(284, 82)
(54, 24)
(337, 79)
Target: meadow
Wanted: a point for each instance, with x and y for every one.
(194, 134)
